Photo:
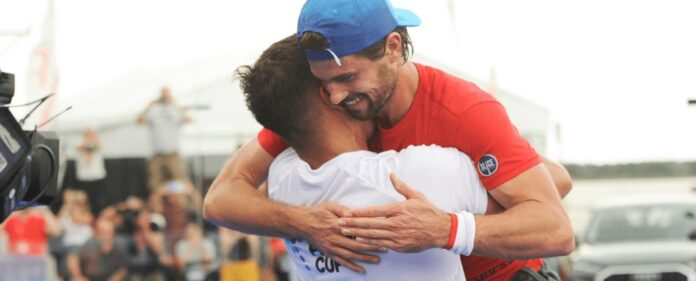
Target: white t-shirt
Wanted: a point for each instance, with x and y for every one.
(164, 121)
(357, 179)
(91, 170)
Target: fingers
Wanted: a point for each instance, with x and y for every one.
(374, 211)
(378, 223)
(385, 243)
(350, 265)
(354, 256)
(403, 188)
(361, 246)
(336, 208)
(368, 233)
(394, 245)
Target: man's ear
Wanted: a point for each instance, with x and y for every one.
(393, 47)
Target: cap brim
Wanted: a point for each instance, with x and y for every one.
(406, 18)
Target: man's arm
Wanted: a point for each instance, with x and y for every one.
(142, 117)
(535, 223)
(559, 174)
(233, 201)
(561, 179)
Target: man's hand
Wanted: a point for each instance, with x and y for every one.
(409, 226)
(252, 212)
(320, 227)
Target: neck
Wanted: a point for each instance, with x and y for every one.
(401, 98)
(333, 141)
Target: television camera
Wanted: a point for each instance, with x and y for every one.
(28, 159)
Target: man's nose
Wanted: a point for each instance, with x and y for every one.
(336, 93)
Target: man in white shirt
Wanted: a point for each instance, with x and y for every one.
(164, 119)
(329, 162)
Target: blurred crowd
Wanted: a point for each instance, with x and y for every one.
(160, 236)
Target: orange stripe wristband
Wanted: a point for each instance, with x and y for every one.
(453, 231)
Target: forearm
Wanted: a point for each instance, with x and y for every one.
(234, 201)
(530, 229)
(247, 210)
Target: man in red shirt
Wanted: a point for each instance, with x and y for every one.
(361, 57)
(28, 231)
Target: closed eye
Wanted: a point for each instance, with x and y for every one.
(344, 78)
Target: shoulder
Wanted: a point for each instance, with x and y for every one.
(452, 93)
(371, 169)
(284, 160)
(282, 167)
(367, 162)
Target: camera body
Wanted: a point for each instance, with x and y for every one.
(28, 160)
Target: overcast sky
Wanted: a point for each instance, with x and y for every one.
(615, 74)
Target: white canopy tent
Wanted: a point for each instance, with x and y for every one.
(221, 119)
(215, 102)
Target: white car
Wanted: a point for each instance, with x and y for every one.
(646, 238)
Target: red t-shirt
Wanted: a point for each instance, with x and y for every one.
(451, 112)
(26, 234)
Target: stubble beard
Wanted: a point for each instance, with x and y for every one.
(374, 107)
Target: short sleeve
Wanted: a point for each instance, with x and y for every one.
(498, 150)
(271, 142)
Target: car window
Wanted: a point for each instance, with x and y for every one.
(642, 223)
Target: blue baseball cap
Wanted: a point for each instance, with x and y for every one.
(350, 26)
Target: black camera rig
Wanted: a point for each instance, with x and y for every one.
(28, 159)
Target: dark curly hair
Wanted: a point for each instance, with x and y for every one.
(278, 90)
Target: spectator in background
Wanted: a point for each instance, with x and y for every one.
(112, 214)
(239, 265)
(90, 170)
(164, 119)
(195, 253)
(179, 202)
(75, 218)
(90, 164)
(28, 231)
(101, 258)
(145, 249)
(259, 247)
(127, 213)
(76, 221)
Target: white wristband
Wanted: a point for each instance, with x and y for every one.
(466, 234)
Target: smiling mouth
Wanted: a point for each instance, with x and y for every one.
(353, 101)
